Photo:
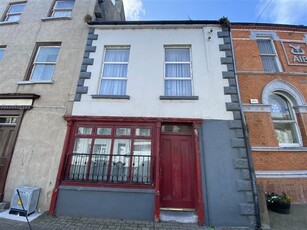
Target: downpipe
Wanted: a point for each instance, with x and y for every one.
(247, 144)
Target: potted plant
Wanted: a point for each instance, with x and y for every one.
(279, 203)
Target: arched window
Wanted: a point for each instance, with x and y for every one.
(284, 120)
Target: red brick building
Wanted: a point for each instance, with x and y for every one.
(271, 62)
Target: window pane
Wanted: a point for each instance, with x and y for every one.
(12, 18)
(177, 70)
(142, 132)
(79, 160)
(82, 145)
(64, 4)
(104, 131)
(177, 55)
(8, 120)
(62, 13)
(47, 54)
(178, 88)
(123, 131)
(285, 133)
(1, 53)
(16, 8)
(42, 72)
(115, 70)
(120, 160)
(84, 130)
(113, 87)
(265, 47)
(269, 64)
(176, 129)
(117, 55)
(141, 161)
(279, 108)
(100, 160)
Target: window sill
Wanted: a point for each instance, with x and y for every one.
(279, 149)
(8, 23)
(178, 97)
(56, 18)
(125, 97)
(34, 82)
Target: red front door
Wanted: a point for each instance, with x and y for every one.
(178, 189)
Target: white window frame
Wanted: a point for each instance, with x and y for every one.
(42, 63)
(114, 63)
(8, 14)
(275, 56)
(293, 121)
(54, 9)
(176, 78)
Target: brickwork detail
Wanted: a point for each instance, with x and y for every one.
(85, 63)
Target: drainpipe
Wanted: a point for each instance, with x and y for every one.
(247, 144)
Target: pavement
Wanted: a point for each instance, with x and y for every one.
(296, 220)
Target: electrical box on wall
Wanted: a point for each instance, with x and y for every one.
(28, 197)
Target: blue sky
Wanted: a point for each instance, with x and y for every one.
(262, 11)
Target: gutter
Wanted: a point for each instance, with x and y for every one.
(247, 144)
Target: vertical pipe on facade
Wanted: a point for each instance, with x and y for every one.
(247, 144)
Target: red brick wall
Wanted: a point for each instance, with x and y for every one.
(279, 161)
(261, 129)
(294, 187)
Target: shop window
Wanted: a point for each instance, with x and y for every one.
(111, 154)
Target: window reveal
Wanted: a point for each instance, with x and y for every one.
(62, 9)
(44, 63)
(114, 73)
(14, 12)
(284, 121)
(177, 72)
(111, 155)
(268, 56)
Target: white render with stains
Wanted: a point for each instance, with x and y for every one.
(146, 73)
(40, 140)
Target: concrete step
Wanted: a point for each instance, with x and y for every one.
(4, 205)
(178, 216)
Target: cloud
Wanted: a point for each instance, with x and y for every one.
(133, 9)
(282, 11)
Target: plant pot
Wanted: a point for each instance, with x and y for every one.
(279, 207)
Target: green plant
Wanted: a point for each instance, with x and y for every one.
(224, 21)
(88, 18)
(275, 198)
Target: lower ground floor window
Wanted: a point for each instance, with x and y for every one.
(108, 153)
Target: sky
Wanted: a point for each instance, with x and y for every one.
(261, 11)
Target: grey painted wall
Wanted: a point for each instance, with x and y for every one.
(135, 204)
(221, 197)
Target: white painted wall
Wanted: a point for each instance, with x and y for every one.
(146, 70)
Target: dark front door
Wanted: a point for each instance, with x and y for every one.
(7, 141)
(178, 171)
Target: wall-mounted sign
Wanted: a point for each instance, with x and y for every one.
(296, 53)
